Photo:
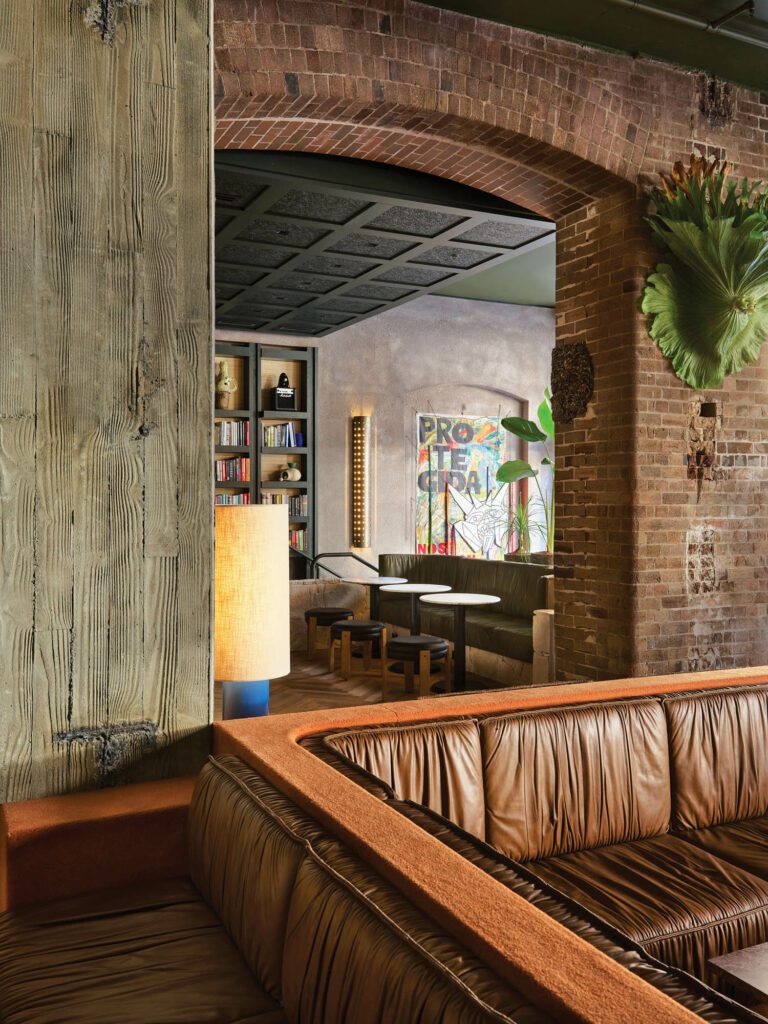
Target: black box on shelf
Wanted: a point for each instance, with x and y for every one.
(284, 399)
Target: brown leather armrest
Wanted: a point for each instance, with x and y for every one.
(66, 845)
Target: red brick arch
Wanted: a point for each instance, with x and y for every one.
(566, 132)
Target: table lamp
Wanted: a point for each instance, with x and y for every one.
(251, 611)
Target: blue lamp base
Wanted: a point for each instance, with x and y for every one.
(245, 700)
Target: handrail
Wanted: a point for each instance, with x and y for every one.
(312, 569)
(338, 554)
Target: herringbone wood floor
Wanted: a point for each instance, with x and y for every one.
(310, 687)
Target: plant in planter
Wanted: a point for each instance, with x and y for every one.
(521, 528)
(519, 469)
(708, 301)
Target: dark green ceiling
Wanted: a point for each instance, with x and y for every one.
(671, 30)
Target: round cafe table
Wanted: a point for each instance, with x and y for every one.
(373, 583)
(416, 590)
(460, 603)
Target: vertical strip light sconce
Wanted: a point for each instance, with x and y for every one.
(361, 481)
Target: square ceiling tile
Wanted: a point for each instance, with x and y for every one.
(235, 190)
(371, 290)
(277, 296)
(505, 234)
(306, 283)
(330, 263)
(454, 257)
(329, 207)
(253, 255)
(282, 232)
(423, 277)
(365, 243)
(227, 291)
(227, 274)
(344, 303)
(415, 220)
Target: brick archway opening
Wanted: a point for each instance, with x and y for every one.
(597, 227)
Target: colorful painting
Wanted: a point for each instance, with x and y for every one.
(461, 509)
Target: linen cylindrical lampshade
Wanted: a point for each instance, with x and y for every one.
(252, 620)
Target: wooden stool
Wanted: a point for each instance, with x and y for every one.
(322, 617)
(365, 632)
(421, 656)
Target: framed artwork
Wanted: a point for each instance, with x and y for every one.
(461, 509)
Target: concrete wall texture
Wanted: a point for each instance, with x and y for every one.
(655, 572)
(435, 354)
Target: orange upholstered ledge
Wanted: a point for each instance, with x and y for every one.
(556, 969)
(67, 845)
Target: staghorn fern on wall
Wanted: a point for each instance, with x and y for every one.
(708, 301)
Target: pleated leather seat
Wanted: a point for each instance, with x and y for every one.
(677, 901)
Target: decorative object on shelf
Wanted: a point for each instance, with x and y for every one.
(299, 438)
(519, 469)
(361, 481)
(252, 617)
(573, 381)
(291, 472)
(708, 301)
(226, 386)
(284, 396)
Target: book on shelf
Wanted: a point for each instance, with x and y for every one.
(298, 539)
(233, 470)
(232, 432)
(279, 435)
(232, 499)
(298, 504)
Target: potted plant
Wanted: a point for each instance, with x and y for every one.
(518, 469)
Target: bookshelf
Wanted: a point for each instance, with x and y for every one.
(254, 441)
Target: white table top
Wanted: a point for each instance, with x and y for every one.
(374, 581)
(461, 599)
(416, 588)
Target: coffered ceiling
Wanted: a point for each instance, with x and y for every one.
(306, 245)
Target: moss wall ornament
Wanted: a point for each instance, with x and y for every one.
(708, 301)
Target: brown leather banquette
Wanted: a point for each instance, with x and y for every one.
(646, 816)
(277, 921)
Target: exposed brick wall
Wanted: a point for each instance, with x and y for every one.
(657, 570)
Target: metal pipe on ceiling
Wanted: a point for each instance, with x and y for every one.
(692, 22)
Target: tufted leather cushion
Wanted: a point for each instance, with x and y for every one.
(742, 842)
(718, 742)
(437, 765)
(409, 648)
(678, 902)
(153, 952)
(575, 778)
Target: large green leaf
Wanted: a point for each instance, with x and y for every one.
(515, 470)
(544, 412)
(524, 429)
(709, 301)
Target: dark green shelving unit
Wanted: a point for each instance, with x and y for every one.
(258, 371)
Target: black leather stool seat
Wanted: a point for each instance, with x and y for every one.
(408, 648)
(327, 616)
(359, 629)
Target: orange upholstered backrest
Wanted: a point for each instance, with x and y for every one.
(719, 756)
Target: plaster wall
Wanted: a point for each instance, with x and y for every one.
(435, 354)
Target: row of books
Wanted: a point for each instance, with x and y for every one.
(233, 470)
(298, 504)
(298, 539)
(232, 499)
(281, 435)
(231, 432)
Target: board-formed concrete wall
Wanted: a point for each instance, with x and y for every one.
(435, 354)
(105, 392)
